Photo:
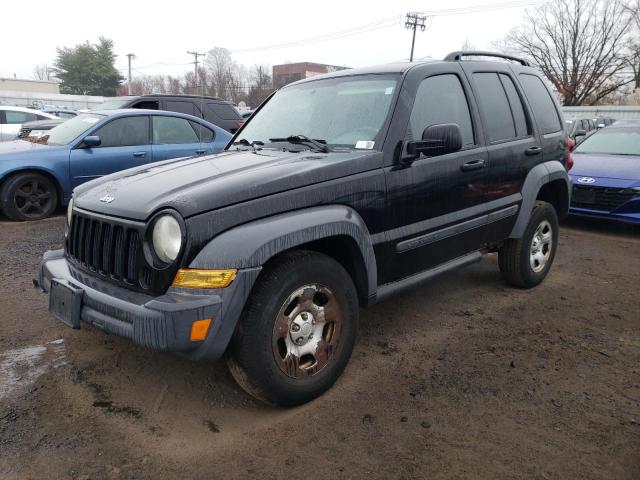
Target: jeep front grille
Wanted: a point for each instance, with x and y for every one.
(105, 247)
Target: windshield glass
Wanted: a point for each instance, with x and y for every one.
(72, 128)
(615, 141)
(345, 111)
(112, 104)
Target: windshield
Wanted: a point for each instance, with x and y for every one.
(72, 128)
(615, 141)
(112, 104)
(345, 112)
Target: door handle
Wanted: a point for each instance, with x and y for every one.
(140, 154)
(472, 165)
(200, 152)
(533, 151)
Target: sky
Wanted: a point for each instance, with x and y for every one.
(161, 33)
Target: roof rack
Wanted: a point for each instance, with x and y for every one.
(457, 56)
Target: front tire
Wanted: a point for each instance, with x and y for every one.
(525, 262)
(28, 196)
(297, 331)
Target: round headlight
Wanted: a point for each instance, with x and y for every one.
(70, 212)
(167, 238)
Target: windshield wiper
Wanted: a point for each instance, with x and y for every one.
(318, 144)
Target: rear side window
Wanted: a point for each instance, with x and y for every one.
(495, 107)
(517, 109)
(123, 132)
(173, 130)
(181, 107)
(204, 134)
(225, 111)
(441, 99)
(541, 103)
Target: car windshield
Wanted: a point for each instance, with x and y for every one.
(112, 104)
(343, 111)
(70, 129)
(614, 141)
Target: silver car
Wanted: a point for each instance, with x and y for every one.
(12, 118)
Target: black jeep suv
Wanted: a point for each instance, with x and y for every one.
(339, 191)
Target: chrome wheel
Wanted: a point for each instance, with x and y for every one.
(306, 331)
(541, 246)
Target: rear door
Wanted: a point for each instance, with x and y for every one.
(124, 144)
(175, 137)
(512, 143)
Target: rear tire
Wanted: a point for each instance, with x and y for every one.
(28, 196)
(524, 262)
(297, 330)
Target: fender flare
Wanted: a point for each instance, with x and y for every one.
(252, 244)
(538, 176)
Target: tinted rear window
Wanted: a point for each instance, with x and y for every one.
(495, 107)
(541, 103)
(225, 111)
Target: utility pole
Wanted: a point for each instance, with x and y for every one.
(129, 57)
(195, 79)
(413, 21)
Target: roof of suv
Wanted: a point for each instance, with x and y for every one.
(402, 67)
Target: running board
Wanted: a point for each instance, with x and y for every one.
(392, 288)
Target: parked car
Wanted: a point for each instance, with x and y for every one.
(246, 113)
(602, 122)
(38, 127)
(342, 190)
(38, 174)
(12, 118)
(212, 109)
(62, 113)
(606, 175)
(580, 128)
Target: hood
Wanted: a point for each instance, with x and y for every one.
(199, 184)
(8, 150)
(622, 167)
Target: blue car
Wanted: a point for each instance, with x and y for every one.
(606, 174)
(38, 173)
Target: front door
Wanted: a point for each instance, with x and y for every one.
(434, 203)
(124, 143)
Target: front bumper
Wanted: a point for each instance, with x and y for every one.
(625, 217)
(161, 323)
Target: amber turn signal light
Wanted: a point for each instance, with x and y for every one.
(194, 278)
(199, 329)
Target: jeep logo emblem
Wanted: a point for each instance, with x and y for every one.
(107, 199)
(586, 180)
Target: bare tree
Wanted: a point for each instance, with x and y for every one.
(222, 72)
(578, 45)
(633, 58)
(42, 72)
(261, 85)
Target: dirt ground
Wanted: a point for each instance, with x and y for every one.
(461, 378)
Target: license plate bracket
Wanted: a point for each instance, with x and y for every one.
(584, 196)
(65, 302)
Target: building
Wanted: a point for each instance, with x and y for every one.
(292, 72)
(29, 86)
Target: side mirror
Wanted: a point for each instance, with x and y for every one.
(437, 140)
(580, 133)
(91, 141)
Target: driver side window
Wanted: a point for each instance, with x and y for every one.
(124, 132)
(441, 99)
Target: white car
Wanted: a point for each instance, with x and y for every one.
(12, 118)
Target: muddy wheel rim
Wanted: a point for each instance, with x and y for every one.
(33, 199)
(306, 331)
(541, 246)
